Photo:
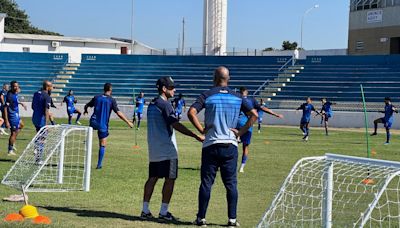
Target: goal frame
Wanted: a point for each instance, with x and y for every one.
(59, 146)
(328, 190)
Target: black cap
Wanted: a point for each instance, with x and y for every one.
(165, 81)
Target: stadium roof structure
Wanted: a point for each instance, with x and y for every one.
(21, 36)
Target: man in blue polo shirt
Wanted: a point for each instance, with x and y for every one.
(163, 150)
(12, 118)
(41, 104)
(220, 148)
(103, 105)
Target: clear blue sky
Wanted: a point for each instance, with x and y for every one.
(251, 23)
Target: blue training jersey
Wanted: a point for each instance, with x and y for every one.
(160, 133)
(261, 112)
(243, 118)
(389, 111)
(11, 104)
(179, 104)
(3, 93)
(327, 108)
(103, 105)
(70, 101)
(40, 103)
(307, 109)
(222, 107)
(139, 104)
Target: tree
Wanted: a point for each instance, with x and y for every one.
(269, 49)
(17, 21)
(287, 45)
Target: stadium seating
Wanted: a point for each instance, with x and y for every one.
(30, 69)
(192, 73)
(339, 79)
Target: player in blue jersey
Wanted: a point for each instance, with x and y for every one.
(307, 109)
(41, 103)
(387, 120)
(70, 101)
(162, 146)
(220, 148)
(179, 105)
(12, 118)
(103, 104)
(260, 115)
(326, 113)
(3, 94)
(139, 106)
(243, 118)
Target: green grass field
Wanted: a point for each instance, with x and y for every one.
(115, 199)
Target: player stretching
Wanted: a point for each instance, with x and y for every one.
(139, 109)
(387, 120)
(163, 151)
(3, 94)
(12, 119)
(326, 113)
(103, 105)
(71, 110)
(179, 105)
(307, 108)
(243, 118)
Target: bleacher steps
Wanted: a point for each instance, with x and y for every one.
(55, 95)
(63, 76)
(57, 90)
(292, 71)
(57, 81)
(76, 65)
(287, 75)
(70, 68)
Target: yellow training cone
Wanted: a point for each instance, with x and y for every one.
(29, 211)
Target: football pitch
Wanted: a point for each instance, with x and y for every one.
(115, 198)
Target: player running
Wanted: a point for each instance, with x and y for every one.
(70, 101)
(41, 103)
(103, 105)
(3, 94)
(139, 102)
(326, 113)
(307, 109)
(179, 105)
(12, 118)
(243, 118)
(387, 120)
(163, 151)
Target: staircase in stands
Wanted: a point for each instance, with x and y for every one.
(62, 79)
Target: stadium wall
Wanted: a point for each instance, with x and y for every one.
(292, 117)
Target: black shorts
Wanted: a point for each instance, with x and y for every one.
(164, 169)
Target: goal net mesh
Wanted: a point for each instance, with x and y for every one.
(57, 159)
(364, 193)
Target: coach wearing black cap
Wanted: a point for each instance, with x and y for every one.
(163, 150)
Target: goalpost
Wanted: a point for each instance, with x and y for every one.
(56, 160)
(331, 191)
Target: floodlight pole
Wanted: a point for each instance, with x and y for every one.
(132, 17)
(302, 23)
(183, 37)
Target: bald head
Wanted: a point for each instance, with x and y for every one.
(221, 76)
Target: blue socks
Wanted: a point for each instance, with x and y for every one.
(10, 147)
(244, 159)
(138, 123)
(102, 151)
(69, 120)
(78, 117)
(387, 136)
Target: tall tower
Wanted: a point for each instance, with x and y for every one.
(215, 26)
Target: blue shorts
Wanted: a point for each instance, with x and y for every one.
(102, 134)
(304, 121)
(15, 125)
(139, 115)
(387, 124)
(246, 138)
(71, 111)
(260, 120)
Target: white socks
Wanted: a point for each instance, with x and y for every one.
(164, 209)
(146, 207)
(232, 220)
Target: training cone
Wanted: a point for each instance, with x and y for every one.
(41, 219)
(368, 181)
(14, 217)
(29, 211)
(373, 152)
(136, 147)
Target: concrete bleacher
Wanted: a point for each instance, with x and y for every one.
(339, 79)
(30, 69)
(192, 73)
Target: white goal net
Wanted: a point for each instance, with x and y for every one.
(337, 191)
(57, 159)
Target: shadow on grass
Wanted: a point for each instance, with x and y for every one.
(189, 168)
(7, 160)
(107, 214)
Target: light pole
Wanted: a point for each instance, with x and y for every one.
(302, 23)
(132, 17)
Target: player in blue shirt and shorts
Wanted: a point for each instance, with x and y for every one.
(220, 148)
(103, 104)
(326, 113)
(12, 117)
(41, 103)
(162, 146)
(70, 101)
(138, 113)
(180, 105)
(387, 120)
(307, 109)
(243, 118)
(3, 94)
